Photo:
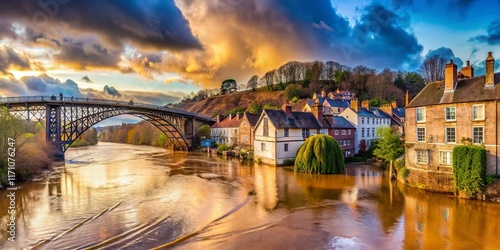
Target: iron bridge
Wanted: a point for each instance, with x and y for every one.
(65, 119)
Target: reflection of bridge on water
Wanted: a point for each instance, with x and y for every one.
(65, 119)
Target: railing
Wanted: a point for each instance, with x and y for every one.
(22, 99)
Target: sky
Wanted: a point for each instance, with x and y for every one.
(157, 51)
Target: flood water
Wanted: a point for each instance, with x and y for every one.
(117, 196)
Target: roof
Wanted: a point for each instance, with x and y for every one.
(252, 118)
(311, 102)
(337, 103)
(303, 120)
(229, 123)
(399, 112)
(378, 113)
(467, 90)
(341, 122)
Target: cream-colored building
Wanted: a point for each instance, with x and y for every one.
(280, 133)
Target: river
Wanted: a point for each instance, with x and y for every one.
(118, 196)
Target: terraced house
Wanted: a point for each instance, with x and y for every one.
(462, 108)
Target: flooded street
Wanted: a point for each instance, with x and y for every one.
(118, 196)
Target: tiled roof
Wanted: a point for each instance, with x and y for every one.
(378, 113)
(341, 122)
(304, 120)
(467, 90)
(399, 112)
(229, 123)
(252, 118)
(336, 103)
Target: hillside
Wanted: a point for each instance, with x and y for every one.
(223, 103)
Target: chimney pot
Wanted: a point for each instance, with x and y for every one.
(287, 108)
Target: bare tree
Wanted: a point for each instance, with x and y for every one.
(252, 82)
(432, 68)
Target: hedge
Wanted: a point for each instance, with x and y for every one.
(469, 169)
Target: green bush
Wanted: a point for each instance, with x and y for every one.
(223, 147)
(404, 172)
(469, 169)
(288, 162)
(295, 99)
(320, 154)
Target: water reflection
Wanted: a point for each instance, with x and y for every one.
(147, 197)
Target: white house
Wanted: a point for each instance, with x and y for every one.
(225, 131)
(280, 133)
(366, 120)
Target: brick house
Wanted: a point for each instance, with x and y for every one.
(344, 133)
(462, 108)
(246, 128)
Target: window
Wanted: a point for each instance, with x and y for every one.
(262, 147)
(349, 132)
(348, 142)
(445, 157)
(362, 120)
(336, 132)
(421, 134)
(286, 133)
(245, 138)
(345, 142)
(362, 132)
(450, 114)
(478, 112)
(422, 156)
(340, 142)
(306, 133)
(266, 127)
(373, 132)
(343, 132)
(286, 147)
(367, 120)
(478, 134)
(420, 114)
(245, 124)
(450, 135)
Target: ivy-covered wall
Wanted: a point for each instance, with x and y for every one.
(469, 169)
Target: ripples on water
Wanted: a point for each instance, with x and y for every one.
(115, 196)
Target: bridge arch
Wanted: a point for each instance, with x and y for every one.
(67, 118)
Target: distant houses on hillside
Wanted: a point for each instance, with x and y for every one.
(276, 135)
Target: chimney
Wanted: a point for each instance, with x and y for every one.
(231, 116)
(323, 93)
(365, 104)
(329, 118)
(287, 108)
(355, 105)
(317, 111)
(394, 104)
(450, 76)
(407, 98)
(238, 115)
(218, 118)
(387, 108)
(490, 70)
(468, 71)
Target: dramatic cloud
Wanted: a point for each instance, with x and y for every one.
(493, 34)
(45, 85)
(10, 59)
(87, 54)
(447, 54)
(147, 24)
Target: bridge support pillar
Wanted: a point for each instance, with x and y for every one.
(53, 130)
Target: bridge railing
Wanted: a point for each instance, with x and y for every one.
(21, 99)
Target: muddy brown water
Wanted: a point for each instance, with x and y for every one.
(118, 196)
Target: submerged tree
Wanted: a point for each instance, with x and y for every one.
(389, 146)
(320, 154)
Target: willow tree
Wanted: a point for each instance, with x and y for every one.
(320, 154)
